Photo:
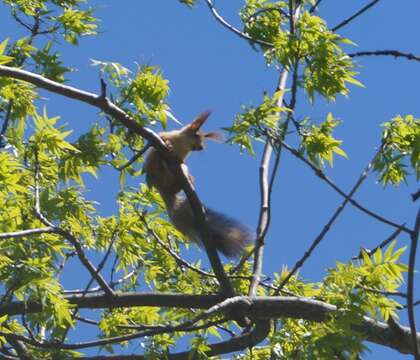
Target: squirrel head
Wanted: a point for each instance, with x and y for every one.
(197, 137)
(190, 138)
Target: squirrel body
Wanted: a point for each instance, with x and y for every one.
(227, 235)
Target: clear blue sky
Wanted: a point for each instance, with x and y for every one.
(209, 67)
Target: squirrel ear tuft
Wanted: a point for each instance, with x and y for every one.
(216, 136)
(199, 120)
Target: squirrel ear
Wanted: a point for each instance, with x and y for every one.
(216, 136)
(199, 121)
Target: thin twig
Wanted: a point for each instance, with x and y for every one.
(5, 124)
(137, 155)
(383, 292)
(327, 227)
(229, 26)
(410, 285)
(380, 246)
(113, 271)
(394, 53)
(314, 6)
(89, 284)
(415, 196)
(267, 9)
(155, 327)
(104, 259)
(67, 235)
(177, 258)
(354, 16)
(21, 22)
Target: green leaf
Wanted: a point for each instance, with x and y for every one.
(4, 59)
(319, 144)
(400, 150)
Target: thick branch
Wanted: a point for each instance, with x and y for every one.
(237, 343)
(262, 308)
(114, 111)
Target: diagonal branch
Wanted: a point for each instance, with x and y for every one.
(380, 246)
(327, 227)
(324, 177)
(229, 26)
(354, 16)
(177, 258)
(137, 155)
(315, 6)
(67, 235)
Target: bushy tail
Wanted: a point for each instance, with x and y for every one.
(228, 235)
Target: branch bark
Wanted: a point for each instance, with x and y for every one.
(258, 308)
(410, 285)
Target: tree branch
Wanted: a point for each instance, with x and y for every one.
(265, 201)
(266, 186)
(173, 162)
(327, 227)
(394, 53)
(410, 285)
(229, 26)
(67, 235)
(313, 7)
(380, 246)
(260, 308)
(5, 124)
(177, 258)
(324, 177)
(354, 16)
(137, 155)
(238, 343)
(21, 233)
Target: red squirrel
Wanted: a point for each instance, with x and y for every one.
(228, 235)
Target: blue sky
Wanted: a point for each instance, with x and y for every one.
(209, 67)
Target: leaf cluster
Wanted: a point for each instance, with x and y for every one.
(357, 288)
(400, 149)
(319, 144)
(304, 41)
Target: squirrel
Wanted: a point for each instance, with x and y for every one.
(228, 235)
